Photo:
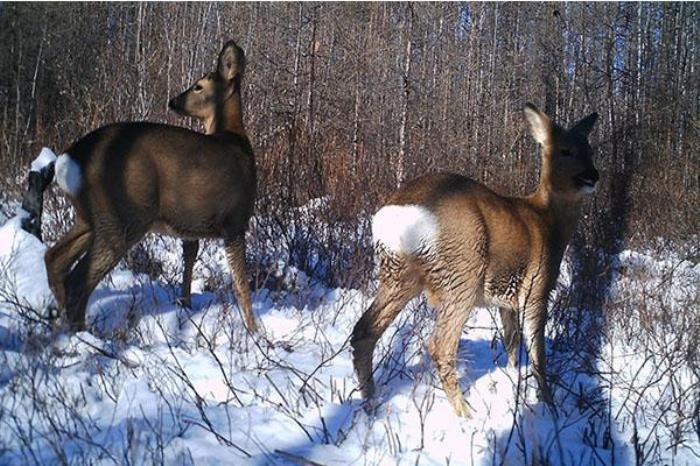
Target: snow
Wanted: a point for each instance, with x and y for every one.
(405, 228)
(657, 364)
(22, 273)
(68, 175)
(45, 157)
(151, 382)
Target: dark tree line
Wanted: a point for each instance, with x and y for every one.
(346, 100)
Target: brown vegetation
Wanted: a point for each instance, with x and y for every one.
(343, 101)
(331, 87)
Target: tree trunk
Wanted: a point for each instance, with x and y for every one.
(401, 159)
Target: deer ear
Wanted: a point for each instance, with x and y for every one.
(231, 61)
(585, 126)
(540, 124)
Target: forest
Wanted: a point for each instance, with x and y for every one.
(343, 103)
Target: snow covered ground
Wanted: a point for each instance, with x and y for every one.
(154, 383)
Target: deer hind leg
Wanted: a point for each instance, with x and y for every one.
(103, 253)
(535, 320)
(443, 347)
(396, 289)
(189, 255)
(62, 256)
(512, 334)
(235, 253)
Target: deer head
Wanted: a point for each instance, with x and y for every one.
(208, 98)
(567, 162)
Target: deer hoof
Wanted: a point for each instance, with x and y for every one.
(185, 302)
(461, 408)
(369, 406)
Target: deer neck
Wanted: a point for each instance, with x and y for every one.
(229, 117)
(560, 211)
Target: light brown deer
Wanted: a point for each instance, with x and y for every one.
(127, 179)
(466, 246)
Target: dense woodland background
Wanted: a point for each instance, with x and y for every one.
(342, 103)
(346, 100)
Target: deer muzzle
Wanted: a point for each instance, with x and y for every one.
(176, 104)
(587, 180)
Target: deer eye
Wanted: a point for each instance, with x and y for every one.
(197, 88)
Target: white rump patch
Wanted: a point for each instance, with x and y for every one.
(68, 174)
(405, 228)
(45, 157)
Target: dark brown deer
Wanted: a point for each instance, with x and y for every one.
(128, 179)
(467, 246)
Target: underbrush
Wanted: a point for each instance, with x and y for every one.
(155, 383)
